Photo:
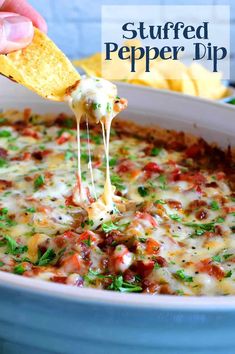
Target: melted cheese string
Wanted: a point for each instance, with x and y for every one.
(89, 159)
(79, 171)
(108, 190)
(95, 97)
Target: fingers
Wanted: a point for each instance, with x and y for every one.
(15, 32)
(21, 7)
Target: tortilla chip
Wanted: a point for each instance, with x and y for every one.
(42, 67)
(152, 79)
(208, 84)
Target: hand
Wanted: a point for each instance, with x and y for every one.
(17, 19)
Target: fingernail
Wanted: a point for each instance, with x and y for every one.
(17, 28)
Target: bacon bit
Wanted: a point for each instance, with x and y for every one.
(28, 178)
(72, 264)
(67, 237)
(194, 150)
(63, 138)
(148, 149)
(161, 261)
(147, 217)
(27, 113)
(208, 267)
(152, 247)
(4, 184)
(201, 214)
(144, 268)
(212, 185)
(196, 204)
(129, 276)
(19, 125)
(174, 204)
(32, 133)
(3, 153)
(197, 178)
(59, 279)
(126, 166)
(26, 156)
(218, 230)
(176, 145)
(152, 167)
(39, 155)
(48, 175)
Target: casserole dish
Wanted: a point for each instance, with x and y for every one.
(41, 317)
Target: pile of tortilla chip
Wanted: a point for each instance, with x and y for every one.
(194, 80)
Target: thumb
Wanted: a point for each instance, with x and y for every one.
(16, 32)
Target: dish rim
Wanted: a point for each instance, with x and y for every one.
(111, 298)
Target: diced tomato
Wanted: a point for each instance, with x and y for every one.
(69, 201)
(208, 267)
(97, 164)
(198, 189)
(89, 196)
(32, 133)
(152, 247)
(152, 167)
(44, 209)
(175, 174)
(229, 209)
(72, 264)
(122, 258)
(88, 236)
(69, 234)
(144, 268)
(120, 105)
(147, 217)
(63, 138)
(26, 156)
(135, 173)
(126, 166)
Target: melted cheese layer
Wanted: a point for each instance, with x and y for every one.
(171, 233)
